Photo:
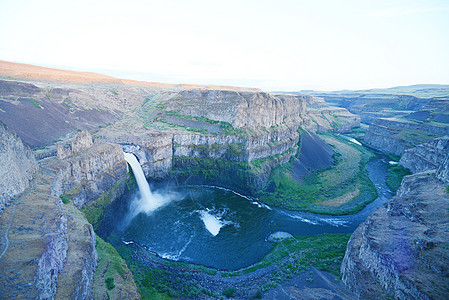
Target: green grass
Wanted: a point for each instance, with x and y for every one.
(95, 210)
(110, 283)
(109, 257)
(393, 157)
(34, 102)
(229, 292)
(110, 265)
(412, 137)
(158, 283)
(65, 199)
(358, 132)
(323, 190)
(292, 256)
(394, 177)
(225, 127)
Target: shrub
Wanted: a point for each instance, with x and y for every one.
(65, 199)
(229, 292)
(394, 177)
(109, 283)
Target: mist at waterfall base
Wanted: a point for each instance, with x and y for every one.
(216, 227)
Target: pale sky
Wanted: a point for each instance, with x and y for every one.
(274, 45)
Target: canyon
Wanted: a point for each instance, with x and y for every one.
(54, 198)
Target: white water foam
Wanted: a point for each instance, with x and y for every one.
(304, 220)
(319, 221)
(335, 222)
(353, 140)
(212, 223)
(149, 201)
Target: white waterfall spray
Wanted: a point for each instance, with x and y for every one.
(148, 201)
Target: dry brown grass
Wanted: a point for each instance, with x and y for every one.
(31, 72)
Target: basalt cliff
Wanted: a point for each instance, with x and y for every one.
(48, 248)
(17, 166)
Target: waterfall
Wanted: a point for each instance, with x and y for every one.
(148, 201)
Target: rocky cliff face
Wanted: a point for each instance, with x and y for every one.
(332, 119)
(157, 151)
(89, 170)
(397, 135)
(81, 141)
(249, 110)
(372, 106)
(443, 171)
(17, 166)
(428, 156)
(319, 116)
(401, 249)
(153, 149)
(47, 248)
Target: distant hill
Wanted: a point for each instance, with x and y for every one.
(417, 90)
(11, 70)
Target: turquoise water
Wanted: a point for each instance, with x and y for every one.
(218, 228)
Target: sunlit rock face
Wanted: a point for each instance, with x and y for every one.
(17, 165)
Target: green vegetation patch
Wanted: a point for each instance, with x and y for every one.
(229, 292)
(65, 199)
(34, 102)
(68, 197)
(95, 210)
(341, 189)
(225, 127)
(213, 171)
(241, 175)
(158, 282)
(110, 258)
(413, 137)
(394, 177)
(111, 269)
(292, 256)
(358, 133)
